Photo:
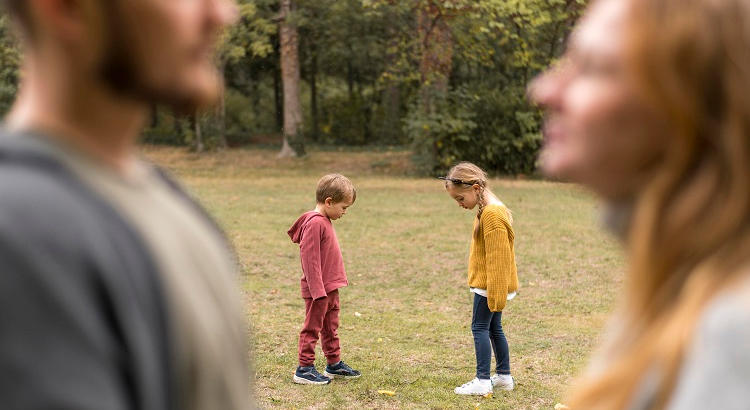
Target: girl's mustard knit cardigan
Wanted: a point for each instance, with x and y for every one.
(492, 261)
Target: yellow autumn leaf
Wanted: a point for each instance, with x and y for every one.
(560, 406)
(387, 392)
(488, 395)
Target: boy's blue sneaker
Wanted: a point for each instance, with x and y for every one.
(341, 370)
(309, 375)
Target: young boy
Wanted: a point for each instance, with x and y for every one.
(323, 274)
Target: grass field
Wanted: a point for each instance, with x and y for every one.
(405, 246)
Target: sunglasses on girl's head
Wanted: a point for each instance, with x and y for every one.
(456, 181)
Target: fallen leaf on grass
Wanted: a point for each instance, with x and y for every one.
(387, 392)
(487, 396)
(380, 340)
(357, 314)
(560, 406)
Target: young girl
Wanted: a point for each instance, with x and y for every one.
(492, 274)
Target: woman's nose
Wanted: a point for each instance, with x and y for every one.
(546, 89)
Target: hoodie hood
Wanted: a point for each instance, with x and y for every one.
(295, 232)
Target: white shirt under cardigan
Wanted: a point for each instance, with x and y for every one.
(483, 292)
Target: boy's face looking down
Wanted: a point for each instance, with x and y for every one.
(335, 210)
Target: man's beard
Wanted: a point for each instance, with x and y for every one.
(121, 72)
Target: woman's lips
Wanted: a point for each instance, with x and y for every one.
(553, 132)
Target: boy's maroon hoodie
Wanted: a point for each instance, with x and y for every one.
(322, 263)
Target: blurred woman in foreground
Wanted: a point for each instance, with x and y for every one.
(650, 108)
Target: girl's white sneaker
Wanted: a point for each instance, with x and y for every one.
(478, 387)
(502, 381)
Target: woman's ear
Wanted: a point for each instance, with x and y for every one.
(476, 188)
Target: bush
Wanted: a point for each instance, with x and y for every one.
(166, 129)
(240, 119)
(343, 121)
(443, 134)
(496, 129)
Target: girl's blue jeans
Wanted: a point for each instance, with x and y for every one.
(488, 338)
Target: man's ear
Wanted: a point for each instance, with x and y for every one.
(64, 19)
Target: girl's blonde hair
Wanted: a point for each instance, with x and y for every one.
(470, 174)
(690, 234)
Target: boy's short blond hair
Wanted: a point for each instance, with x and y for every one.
(335, 186)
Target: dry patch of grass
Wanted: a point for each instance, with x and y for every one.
(237, 162)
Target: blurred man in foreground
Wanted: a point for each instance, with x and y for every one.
(116, 291)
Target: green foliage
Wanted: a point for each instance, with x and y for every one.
(167, 129)
(343, 121)
(508, 136)
(492, 128)
(248, 40)
(240, 121)
(443, 134)
(499, 46)
(369, 63)
(251, 35)
(9, 62)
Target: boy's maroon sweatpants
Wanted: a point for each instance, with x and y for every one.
(321, 321)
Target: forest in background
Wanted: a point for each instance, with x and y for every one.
(445, 79)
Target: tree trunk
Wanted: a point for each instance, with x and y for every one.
(198, 140)
(391, 96)
(314, 94)
(435, 66)
(277, 97)
(255, 95)
(290, 75)
(154, 116)
(221, 112)
(178, 119)
(286, 150)
(436, 60)
(350, 79)
(392, 115)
